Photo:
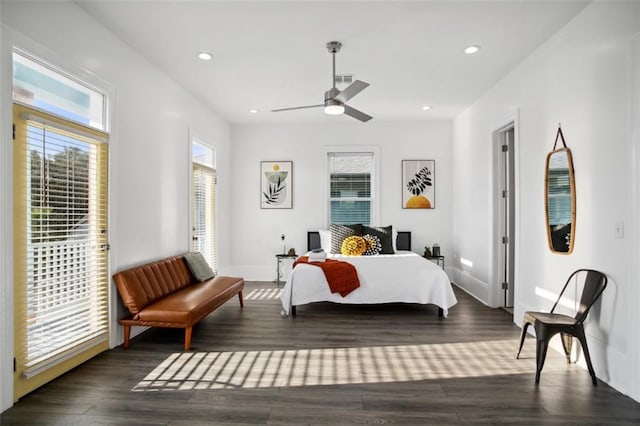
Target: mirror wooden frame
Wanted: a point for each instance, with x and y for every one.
(556, 242)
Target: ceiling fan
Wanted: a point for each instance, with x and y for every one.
(334, 99)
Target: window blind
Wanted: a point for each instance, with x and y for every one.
(60, 239)
(350, 178)
(204, 213)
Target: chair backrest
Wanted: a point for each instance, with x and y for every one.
(594, 283)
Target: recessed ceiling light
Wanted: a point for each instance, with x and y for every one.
(472, 49)
(426, 108)
(254, 111)
(205, 56)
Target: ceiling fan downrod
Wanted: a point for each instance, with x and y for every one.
(334, 47)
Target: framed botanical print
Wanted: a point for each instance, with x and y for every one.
(418, 184)
(276, 184)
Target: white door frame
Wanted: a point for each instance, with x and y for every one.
(495, 297)
(634, 155)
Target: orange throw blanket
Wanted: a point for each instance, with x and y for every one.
(341, 276)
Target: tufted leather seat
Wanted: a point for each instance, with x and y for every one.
(165, 294)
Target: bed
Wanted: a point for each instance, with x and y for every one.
(385, 278)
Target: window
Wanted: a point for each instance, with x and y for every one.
(351, 187)
(203, 237)
(37, 84)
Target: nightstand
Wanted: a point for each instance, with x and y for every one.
(279, 259)
(439, 260)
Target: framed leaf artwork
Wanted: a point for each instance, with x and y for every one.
(418, 184)
(276, 184)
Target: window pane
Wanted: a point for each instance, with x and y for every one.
(202, 154)
(49, 90)
(349, 185)
(351, 212)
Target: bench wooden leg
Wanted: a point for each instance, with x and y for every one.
(187, 338)
(241, 299)
(127, 335)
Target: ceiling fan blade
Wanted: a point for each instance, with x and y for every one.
(300, 107)
(351, 90)
(358, 115)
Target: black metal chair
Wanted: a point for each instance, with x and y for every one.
(549, 324)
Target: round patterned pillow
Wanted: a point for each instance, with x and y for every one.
(374, 246)
(353, 246)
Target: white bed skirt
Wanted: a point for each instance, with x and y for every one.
(387, 278)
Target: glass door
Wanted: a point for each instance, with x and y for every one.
(60, 246)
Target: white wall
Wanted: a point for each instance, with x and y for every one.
(257, 232)
(149, 144)
(579, 77)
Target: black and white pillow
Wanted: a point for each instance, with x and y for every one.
(340, 232)
(384, 234)
(373, 245)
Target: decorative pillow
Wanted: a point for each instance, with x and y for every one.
(340, 232)
(199, 266)
(325, 240)
(385, 235)
(373, 245)
(353, 246)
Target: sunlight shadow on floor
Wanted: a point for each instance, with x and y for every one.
(330, 366)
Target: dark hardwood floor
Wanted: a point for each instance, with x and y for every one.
(332, 364)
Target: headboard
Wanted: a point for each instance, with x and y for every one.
(403, 242)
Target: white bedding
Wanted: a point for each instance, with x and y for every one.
(401, 277)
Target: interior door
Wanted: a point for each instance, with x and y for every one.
(507, 215)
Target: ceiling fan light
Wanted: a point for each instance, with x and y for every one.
(334, 109)
(470, 50)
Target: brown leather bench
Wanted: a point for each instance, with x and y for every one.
(166, 294)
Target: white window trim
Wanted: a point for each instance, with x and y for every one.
(375, 178)
(6, 230)
(194, 137)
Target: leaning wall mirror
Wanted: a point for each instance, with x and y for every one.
(560, 198)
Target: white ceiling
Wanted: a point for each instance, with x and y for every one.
(271, 55)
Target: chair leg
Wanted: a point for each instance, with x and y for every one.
(542, 343)
(567, 344)
(127, 335)
(523, 334)
(241, 298)
(187, 338)
(585, 349)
